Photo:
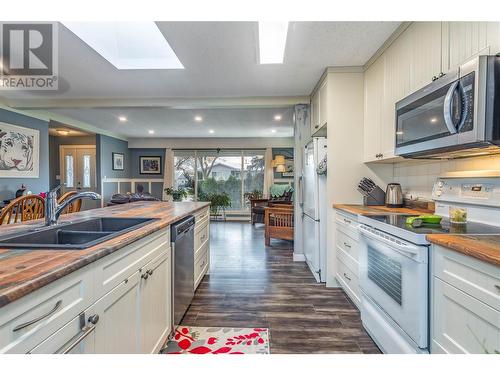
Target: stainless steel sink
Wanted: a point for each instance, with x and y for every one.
(76, 235)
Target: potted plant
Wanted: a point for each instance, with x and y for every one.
(219, 202)
(177, 194)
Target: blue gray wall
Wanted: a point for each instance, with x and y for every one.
(105, 146)
(136, 153)
(8, 186)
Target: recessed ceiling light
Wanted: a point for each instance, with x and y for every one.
(273, 130)
(277, 117)
(198, 118)
(62, 131)
(272, 42)
(211, 131)
(151, 131)
(122, 118)
(128, 45)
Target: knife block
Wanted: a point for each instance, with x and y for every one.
(375, 198)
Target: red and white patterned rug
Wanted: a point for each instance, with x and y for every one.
(218, 340)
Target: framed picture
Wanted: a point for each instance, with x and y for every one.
(118, 161)
(19, 151)
(150, 164)
(289, 168)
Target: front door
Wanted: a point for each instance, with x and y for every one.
(78, 171)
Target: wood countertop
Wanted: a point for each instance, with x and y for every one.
(358, 209)
(23, 271)
(482, 247)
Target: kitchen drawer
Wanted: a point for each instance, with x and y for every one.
(201, 264)
(201, 235)
(461, 323)
(349, 282)
(201, 216)
(111, 270)
(347, 223)
(347, 244)
(479, 279)
(348, 261)
(48, 308)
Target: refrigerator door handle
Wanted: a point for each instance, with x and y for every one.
(301, 191)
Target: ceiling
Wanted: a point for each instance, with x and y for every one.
(220, 60)
(176, 123)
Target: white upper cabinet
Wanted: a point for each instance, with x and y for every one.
(425, 40)
(465, 41)
(319, 108)
(373, 101)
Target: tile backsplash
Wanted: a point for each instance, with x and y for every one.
(418, 176)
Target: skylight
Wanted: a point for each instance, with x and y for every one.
(272, 42)
(128, 45)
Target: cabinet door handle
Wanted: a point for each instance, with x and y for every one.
(316, 126)
(497, 287)
(86, 330)
(145, 275)
(24, 325)
(347, 277)
(150, 272)
(347, 221)
(347, 245)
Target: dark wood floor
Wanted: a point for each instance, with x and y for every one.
(253, 286)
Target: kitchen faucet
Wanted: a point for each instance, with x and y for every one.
(53, 210)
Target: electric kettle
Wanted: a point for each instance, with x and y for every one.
(394, 195)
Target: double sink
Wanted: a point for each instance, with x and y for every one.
(75, 235)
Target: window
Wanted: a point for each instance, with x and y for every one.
(69, 171)
(233, 172)
(86, 171)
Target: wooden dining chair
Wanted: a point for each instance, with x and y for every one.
(278, 223)
(24, 208)
(73, 206)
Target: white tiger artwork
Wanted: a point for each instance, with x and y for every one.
(18, 153)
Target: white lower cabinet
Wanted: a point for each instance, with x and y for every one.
(465, 303)
(346, 248)
(201, 246)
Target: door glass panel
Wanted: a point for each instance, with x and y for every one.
(253, 176)
(423, 119)
(184, 178)
(386, 273)
(69, 171)
(86, 171)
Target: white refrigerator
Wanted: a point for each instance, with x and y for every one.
(314, 209)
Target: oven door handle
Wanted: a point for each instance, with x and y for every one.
(405, 248)
(447, 108)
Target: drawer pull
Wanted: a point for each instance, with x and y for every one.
(145, 275)
(202, 238)
(347, 277)
(347, 245)
(347, 221)
(497, 287)
(86, 330)
(150, 272)
(24, 325)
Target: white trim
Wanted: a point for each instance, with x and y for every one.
(131, 181)
(299, 257)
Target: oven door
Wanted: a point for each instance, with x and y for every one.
(439, 116)
(393, 274)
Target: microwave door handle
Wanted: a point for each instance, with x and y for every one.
(465, 106)
(447, 108)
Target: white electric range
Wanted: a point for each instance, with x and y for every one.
(394, 259)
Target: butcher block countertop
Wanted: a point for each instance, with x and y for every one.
(485, 248)
(24, 271)
(373, 210)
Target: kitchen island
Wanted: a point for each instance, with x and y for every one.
(108, 288)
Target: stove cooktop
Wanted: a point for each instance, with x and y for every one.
(399, 220)
(395, 224)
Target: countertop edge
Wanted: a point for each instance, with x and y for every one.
(466, 245)
(24, 288)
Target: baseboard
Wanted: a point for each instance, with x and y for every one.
(299, 257)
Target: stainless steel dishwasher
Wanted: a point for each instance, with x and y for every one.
(182, 237)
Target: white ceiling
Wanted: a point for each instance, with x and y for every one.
(220, 60)
(176, 123)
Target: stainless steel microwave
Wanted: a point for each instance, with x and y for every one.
(457, 115)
